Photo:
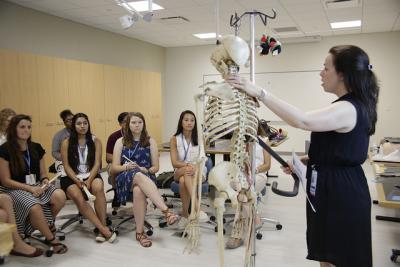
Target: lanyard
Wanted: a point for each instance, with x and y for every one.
(82, 154)
(134, 150)
(184, 148)
(27, 159)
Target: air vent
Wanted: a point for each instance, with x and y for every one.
(337, 4)
(176, 18)
(285, 29)
(303, 39)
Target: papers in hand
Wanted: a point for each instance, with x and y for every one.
(392, 157)
(301, 170)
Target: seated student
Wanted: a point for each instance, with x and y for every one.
(6, 115)
(109, 151)
(135, 161)
(184, 153)
(263, 164)
(81, 157)
(23, 176)
(114, 137)
(66, 116)
(7, 216)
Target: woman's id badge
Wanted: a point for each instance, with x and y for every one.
(30, 179)
(313, 185)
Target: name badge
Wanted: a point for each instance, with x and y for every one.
(313, 184)
(30, 179)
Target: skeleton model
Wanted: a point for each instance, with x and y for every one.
(227, 110)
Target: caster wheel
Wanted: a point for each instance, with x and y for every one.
(108, 222)
(393, 258)
(170, 206)
(149, 232)
(61, 238)
(224, 231)
(223, 220)
(162, 224)
(165, 199)
(80, 221)
(114, 212)
(49, 252)
(1, 260)
(259, 236)
(278, 226)
(96, 231)
(116, 232)
(212, 218)
(216, 229)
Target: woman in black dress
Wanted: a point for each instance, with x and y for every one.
(339, 232)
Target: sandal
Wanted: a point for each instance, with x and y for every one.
(58, 248)
(143, 240)
(170, 217)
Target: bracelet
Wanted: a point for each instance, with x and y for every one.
(262, 95)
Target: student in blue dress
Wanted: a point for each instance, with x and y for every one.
(135, 163)
(339, 231)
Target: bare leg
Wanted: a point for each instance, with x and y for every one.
(185, 197)
(139, 208)
(7, 215)
(150, 190)
(86, 210)
(326, 264)
(57, 202)
(97, 189)
(39, 221)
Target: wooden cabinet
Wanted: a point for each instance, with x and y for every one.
(43, 86)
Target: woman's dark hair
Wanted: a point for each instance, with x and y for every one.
(73, 153)
(17, 164)
(122, 116)
(65, 113)
(179, 129)
(353, 64)
(127, 139)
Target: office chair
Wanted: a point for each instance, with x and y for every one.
(278, 225)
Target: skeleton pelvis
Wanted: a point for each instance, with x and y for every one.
(223, 176)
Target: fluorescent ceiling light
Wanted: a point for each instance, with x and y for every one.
(346, 24)
(206, 35)
(142, 6)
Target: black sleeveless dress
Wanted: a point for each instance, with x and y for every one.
(340, 230)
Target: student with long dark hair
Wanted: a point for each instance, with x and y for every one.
(339, 232)
(135, 162)
(81, 156)
(184, 153)
(23, 176)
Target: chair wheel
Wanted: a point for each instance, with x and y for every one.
(212, 218)
(278, 226)
(216, 230)
(61, 238)
(116, 232)
(149, 232)
(80, 221)
(114, 212)
(49, 252)
(96, 231)
(162, 224)
(223, 220)
(1, 260)
(170, 206)
(393, 258)
(108, 222)
(259, 236)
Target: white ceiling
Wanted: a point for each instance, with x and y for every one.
(310, 16)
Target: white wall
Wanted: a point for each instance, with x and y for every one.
(185, 67)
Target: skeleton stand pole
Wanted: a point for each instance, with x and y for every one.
(252, 156)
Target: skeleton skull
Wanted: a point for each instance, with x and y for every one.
(233, 51)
